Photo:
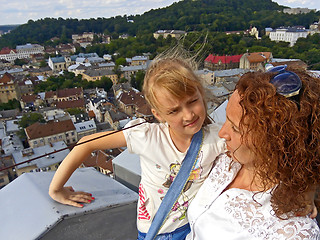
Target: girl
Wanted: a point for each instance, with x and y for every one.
(177, 101)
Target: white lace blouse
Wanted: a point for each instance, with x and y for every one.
(233, 214)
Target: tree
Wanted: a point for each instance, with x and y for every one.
(137, 80)
(74, 111)
(29, 119)
(20, 62)
(43, 64)
(105, 83)
(11, 104)
(123, 80)
(121, 61)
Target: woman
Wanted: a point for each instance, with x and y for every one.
(261, 189)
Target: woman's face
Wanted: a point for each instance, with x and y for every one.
(231, 132)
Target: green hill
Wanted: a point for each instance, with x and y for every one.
(189, 15)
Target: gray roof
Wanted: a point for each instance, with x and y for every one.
(139, 58)
(126, 86)
(134, 68)
(171, 31)
(9, 114)
(87, 55)
(219, 114)
(107, 64)
(2, 130)
(90, 59)
(27, 46)
(230, 72)
(127, 172)
(203, 72)
(98, 72)
(218, 91)
(39, 151)
(11, 143)
(117, 116)
(12, 126)
(98, 99)
(290, 29)
(12, 71)
(27, 211)
(58, 59)
(85, 126)
(284, 60)
(230, 85)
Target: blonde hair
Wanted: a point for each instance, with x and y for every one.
(173, 71)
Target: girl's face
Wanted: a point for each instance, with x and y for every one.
(185, 117)
(231, 132)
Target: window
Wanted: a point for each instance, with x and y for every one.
(35, 142)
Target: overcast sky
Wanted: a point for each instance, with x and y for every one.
(20, 11)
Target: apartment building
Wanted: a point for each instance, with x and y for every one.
(40, 134)
(288, 34)
(8, 88)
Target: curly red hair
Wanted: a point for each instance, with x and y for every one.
(285, 136)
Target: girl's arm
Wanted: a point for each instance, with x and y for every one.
(73, 160)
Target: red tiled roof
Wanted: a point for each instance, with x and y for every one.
(50, 94)
(38, 130)
(69, 92)
(144, 110)
(7, 77)
(102, 160)
(224, 59)
(79, 103)
(294, 64)
(7, 50)
(29, 98)
(257, 57)
(91, 114)
(132, 98)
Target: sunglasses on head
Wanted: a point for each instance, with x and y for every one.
(287, 83)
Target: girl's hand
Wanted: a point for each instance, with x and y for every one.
(69, 197)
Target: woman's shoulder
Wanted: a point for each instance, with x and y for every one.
(223, 171)
(225, 163)
(261, 222)
(296, 228)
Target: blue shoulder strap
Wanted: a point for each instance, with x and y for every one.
(177, 186)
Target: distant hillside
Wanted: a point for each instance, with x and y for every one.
(190, 15)
(6, 28)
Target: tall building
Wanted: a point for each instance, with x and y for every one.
(288, 34)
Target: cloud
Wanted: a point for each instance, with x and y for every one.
(312, 4)
(20, 11)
